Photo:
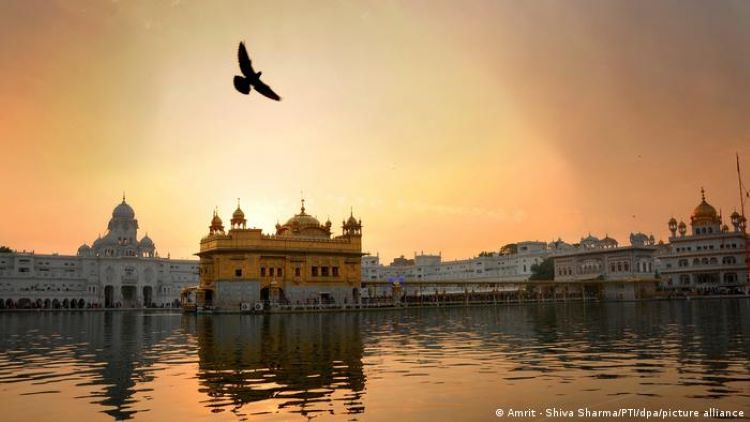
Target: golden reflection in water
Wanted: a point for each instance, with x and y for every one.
(304, 364)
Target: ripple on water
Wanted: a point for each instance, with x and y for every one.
(123, 363)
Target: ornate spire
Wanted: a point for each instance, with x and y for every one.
(703, 194)
(123, 197)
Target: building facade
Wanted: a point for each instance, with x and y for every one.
(301, 263)
(711, 258)
(117, 270)
(604, 269)
(635, 262)
(512, 263)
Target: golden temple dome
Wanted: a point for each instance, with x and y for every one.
(302, 219)
(303, 224)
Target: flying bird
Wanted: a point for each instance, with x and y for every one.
(243, 84)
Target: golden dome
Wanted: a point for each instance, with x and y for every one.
(216, 224)
(238, 217)
(303, 224)
(704, 212)
(303, 220)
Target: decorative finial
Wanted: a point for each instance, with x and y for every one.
(303, 206)
(703, 194)
(351, 211)
(123, 197)
(238, 203)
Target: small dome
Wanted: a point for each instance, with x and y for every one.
(672, 221)
(638, 239)
(590, 238)
(84, 248)
(146, 241)
(123, 210)
(216, 221)
(682, 225)
(238, 214)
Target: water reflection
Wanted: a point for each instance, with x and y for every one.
(112, 351)
(305, 362)
(442, 364)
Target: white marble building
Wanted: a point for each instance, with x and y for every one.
(605, 259)
(117, 270)
(512, 263)
(712, 258)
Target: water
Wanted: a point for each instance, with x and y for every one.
(420, 364)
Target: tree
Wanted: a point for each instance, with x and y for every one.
(543, 271)
(5, 249)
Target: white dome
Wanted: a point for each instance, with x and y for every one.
(146, 241)
(123, 210)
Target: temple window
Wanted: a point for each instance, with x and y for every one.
(238, 272)
(278, 271)
(335, 271)
(314, 271)
(262, 271)
(297, 272)
(270, 272)
(324, 271)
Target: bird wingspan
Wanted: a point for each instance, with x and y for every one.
(245, 64)
(265, 90)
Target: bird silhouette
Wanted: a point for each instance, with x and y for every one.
(243, 84)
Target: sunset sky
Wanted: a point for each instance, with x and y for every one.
(450, 127)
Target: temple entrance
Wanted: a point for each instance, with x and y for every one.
(355, 294)
(109, 297)
(129, 299)
(147, 296)
(275, 295)
(208, 298)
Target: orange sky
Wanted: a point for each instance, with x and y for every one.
(453, 128)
